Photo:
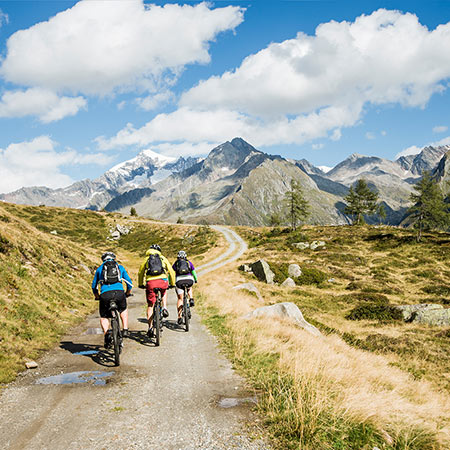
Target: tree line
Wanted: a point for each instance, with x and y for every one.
(430, 209)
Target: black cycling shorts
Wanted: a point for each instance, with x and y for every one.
(105, 299)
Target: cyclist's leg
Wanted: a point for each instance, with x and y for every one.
(180, 300)
(151, 299)
(122, 308)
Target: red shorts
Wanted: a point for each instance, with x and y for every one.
(151, 284)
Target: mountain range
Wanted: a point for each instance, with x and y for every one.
(237, 184)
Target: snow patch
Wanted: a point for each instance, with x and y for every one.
(324, 169)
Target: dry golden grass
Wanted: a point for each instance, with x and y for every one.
(329, 375)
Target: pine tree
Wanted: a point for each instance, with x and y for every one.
(381, 212)
(133, 211)
(429, 209)
(296, 204)
(361, 201)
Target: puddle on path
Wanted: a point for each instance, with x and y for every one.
(94, 331)
(233, 402)
(97, 378)
(87, 352)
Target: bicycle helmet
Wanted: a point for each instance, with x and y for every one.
(108, 255)
(182, 254)
(155, 247)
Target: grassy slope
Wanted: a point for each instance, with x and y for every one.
(44, 278)
(366, 383)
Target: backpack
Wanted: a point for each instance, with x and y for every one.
(154, 265)
(182, 267)
(111, 272)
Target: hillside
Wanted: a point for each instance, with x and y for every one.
(47, 259)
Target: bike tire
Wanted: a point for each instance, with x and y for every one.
(116, 337)
(186, 312)
(157, 320)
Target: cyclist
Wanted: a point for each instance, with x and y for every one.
(111, 276)
(157, 273)
(185, 272)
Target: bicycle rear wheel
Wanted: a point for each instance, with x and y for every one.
(116, 337)
(157, 319)
(186, 311)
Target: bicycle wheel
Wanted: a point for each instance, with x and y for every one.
(186, 311)
(157, 319)
(116, 336)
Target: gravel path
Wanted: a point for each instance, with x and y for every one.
(181, 395)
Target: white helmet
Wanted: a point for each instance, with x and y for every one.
(182, 254)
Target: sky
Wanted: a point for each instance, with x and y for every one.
(85, 85)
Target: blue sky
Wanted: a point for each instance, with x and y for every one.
(85, 85)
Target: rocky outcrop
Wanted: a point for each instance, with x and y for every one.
(118, 231)
(262, 271)
(288, 282)
(286, 310)
(294, 270)
(426, 313)
(251, 288)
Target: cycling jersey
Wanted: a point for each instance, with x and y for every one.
(111, 287)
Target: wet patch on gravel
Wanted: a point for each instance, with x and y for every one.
(232, 402)
(95, 378)
(93, 331)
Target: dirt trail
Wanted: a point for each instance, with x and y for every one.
(181, 395)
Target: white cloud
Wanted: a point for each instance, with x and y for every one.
(440, 129)
(151, 102)
(383, 133)
(318, 146)
(104, 47)
(185, 148)
(442, 142)
(37, 163)
(310, 86)
(370, 135)
(413, 150)
(43, 103)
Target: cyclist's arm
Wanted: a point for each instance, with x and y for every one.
(170, 272)
(193, 272)
(126, 279)
(95, 282)
(141, 273)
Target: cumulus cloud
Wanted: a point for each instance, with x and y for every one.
(151, 102)
(38, 163)
(310, 86)
(413, 150)
(43, 103)
(440, 129)
(97, 48)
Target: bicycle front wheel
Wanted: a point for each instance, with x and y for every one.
(116, 337)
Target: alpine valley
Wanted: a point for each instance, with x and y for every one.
(237, 184)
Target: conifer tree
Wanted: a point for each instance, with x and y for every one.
(361, 201)
(429, 210)
(296, 204)
(133, 211)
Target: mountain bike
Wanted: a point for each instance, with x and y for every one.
(186, 313)
(116, 333)
(157, 317)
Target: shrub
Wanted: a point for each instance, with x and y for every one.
(382, 313)
(437, 289)
(311, 275)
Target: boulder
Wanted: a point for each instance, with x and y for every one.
(294, 270)
(288, 282)
(316, 244)
(54, 232)
(250, 287)
(410, 311)
(438, 317)
(245, 268)
(115, 234)
(286, 310)
(31, 365)
(262, 271)
(301, 245)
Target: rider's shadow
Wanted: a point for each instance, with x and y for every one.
(96, 353)
(141, 338)
(173, 325)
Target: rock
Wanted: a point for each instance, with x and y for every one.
(286, 310)
(331, 280)
(115, 234)
(439, 317)
(245, 268)
(262, 271)
(316, 244)
(410, 311)
(250, 287)
(85, 268)
(31, 365)
(301, 245)
(294, 270)
(54, 232)
(288, 282)
(122, 229)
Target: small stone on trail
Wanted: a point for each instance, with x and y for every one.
(31, 365)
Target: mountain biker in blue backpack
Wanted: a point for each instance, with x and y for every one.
(185, 273)
(110, 276)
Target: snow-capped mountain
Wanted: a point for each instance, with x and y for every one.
(141, 171)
